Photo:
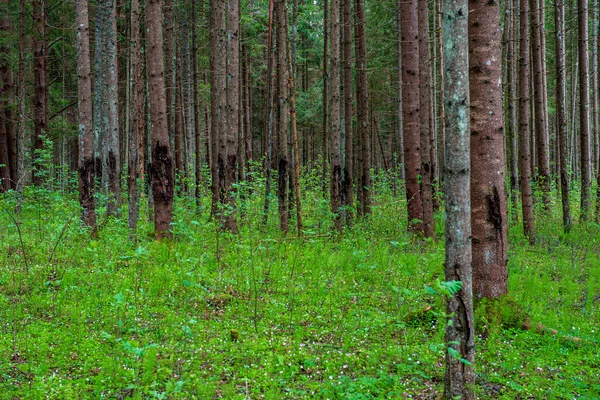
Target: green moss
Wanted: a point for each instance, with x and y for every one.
(491, 315)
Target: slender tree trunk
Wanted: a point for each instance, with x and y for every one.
(596, 86)
(561, 110)
(513, 103)
(197, 109)
(400, 123)
(268, 115)
(170, 58)
(5, 145)
(411, 117)
(460, 376)
(362, 101)
(541, 133)
(524, 127)
(336, 165)
(584, 107)
(40, 84)
(282, 158)
(325, 93)
(233, 94)
(348, 179)
(488, 162)
(21, 89)
(425, 119)
(106, 117)
(133, 178)
(161, 168)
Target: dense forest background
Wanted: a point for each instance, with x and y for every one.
(292, 199)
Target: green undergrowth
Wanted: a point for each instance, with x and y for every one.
(259, 315)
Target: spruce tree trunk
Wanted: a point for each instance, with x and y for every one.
(348, 178)
(282, 148)
(362, 102)
(40, 85)
(133, 177)
(336, 165)
(513, 103)
(460, 377)
(488, 162)
(524, 127)
(584, 104)
(561, 110)
(6, 182)
(161, 169)
(410, 112)
(425, 119)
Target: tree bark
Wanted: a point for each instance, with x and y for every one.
(561, 110)
(282, 157)
(348, 178)
(133, 177)
(524, 127)
(336, 165)
(584, 105)
(161, 168)
(362, 102)
(6, 181)
(425, 119)
(410, 112)
(488, 162)
(460, 377)
(40, 84)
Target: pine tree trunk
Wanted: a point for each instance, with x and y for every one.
(524, 127)
(161, 169)
(460, 376)
(410, 110)
(488, 162)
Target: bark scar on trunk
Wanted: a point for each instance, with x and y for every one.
(494, 212)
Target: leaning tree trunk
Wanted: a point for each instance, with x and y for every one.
(524, 127)
(425, 122)
(410, 112)
(561, 110)
(584, 105)
(161, 169)
(488, 162)
(460, 332)
(336, 164)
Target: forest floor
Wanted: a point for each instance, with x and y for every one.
(259, 315)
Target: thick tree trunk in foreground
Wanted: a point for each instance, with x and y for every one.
(425, 119)
(161, 169)
(410, 112)
(584, 107)
(561, 110)
(488, 163)
(86, 163)
(336, 163)
(460, 376)
(524, 127)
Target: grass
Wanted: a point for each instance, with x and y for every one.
(259, 315)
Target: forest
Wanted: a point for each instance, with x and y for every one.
(290, 199)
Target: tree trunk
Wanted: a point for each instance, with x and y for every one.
(460, 376)
(133, 177)
(233, 110)
(400, 123)
(561, 110)
(161, 168)
(541, 133)
(282, 158)
(336, 165)
(524, 127)
(106, 117)
(40, 84)
(325, 94)
(348, 179)
(362, 102)
(584, 105)
(197, 110)
(410, 111)
(513, 121)
(268, 115)
(5, 160)
(425, 119)
(488, 162)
